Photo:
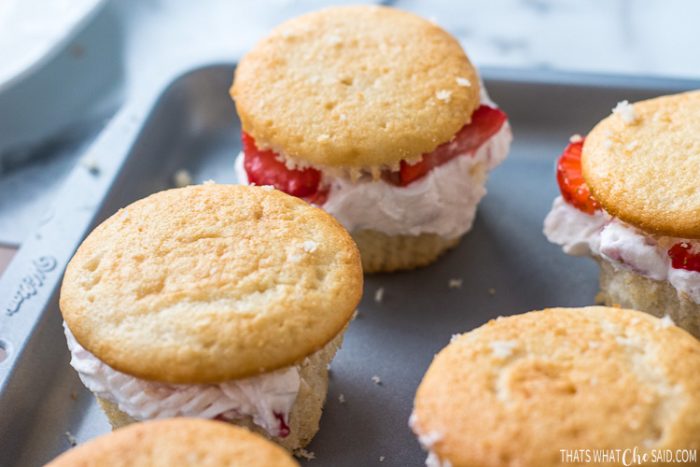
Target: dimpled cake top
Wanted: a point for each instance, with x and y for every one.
(519, 389)
(185, 442)
(355, 87)
(211, 283)
(642, 164)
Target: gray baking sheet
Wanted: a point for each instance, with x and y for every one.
(505, 264)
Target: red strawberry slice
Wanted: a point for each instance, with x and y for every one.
(264, 168)
(573, 187)
(486, 121)
(682, 257)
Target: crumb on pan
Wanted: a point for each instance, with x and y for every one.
(575, 138)
(71, 439)
(182, 178)
(455, 283)
(377, 380)
(341, 398)
(304, 454)
(379, 295)
(91, 165)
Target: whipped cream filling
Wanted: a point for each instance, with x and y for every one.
(267, 398)
(622, 245)
(442, 202)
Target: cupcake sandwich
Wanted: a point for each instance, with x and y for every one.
(220, 302)
(378, 117)
(559, 387)
(630, 199)
(177, 442)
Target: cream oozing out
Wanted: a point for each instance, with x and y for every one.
(442, 202)
(267, 398)
(622, 245)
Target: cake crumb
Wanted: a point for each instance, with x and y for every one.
(182, 178)
(455, 283)
(666, 322)
(334, 39)
(309, 246)
(503, 349)
(444, 95)
(381, 458)
(626, 341)
(72, 440)
(413, 420)
(341, 398)
(625, 111)
(428, 440)
(492, 291)
(575, 138)
(454, 337)
(632, 145)
(268, 187)
(379, 295)
(649, 443)
(304, 454)
(209, 182)
(464, 82)
(377, 380)
(90, 165)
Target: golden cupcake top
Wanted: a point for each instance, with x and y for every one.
(211, 283)
(355, 87)
(519, 389)
(177, 442)
(642, 163)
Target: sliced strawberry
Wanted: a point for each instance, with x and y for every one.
(264, 168)
(682, 257)
(573, 187)
(486, 121)
(283, 429)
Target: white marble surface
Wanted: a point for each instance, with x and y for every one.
(651, 37)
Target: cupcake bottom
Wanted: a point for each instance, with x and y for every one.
(386, 253)
(628, 289)
(306, 412)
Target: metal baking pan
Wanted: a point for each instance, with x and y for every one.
(505, 264)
